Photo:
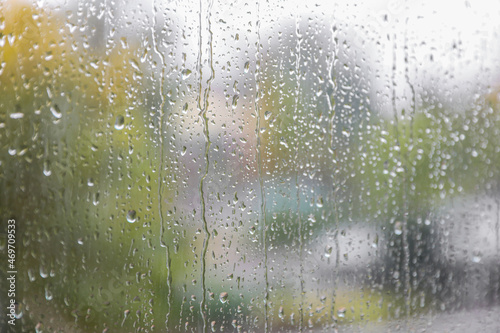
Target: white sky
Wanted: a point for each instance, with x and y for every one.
(432, 27)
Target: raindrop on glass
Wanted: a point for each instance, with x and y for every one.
(131, 216)
(398, 228)
(119, 122)
(48, 294)
(223, 297)
(56, 112)
(328, 251)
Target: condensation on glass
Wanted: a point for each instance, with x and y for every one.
(263, 166)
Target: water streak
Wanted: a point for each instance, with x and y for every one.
(296, 158)
(407, 188)
(259, 171)
(404, 235)
(204, 93)
(332, 151)
(160, 168)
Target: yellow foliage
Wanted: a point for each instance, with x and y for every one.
(30, 40)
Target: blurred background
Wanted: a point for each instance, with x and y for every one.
(277, 166)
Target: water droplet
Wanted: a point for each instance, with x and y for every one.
(223, 297)
(48, 294)
(375, 242)
(235, 101)
(134, 64)
(186, 73)
(31, 275)
(46, 168)
(341, 312)
(19, 311)
(398, 228)
(328, 251)
(283, 142)
(49, 56)
(281, 313)
(43, 272)
(119, 122)
(16, 115)
(95, 199)
(125, 315)
(56, 112)
(252, 230)
(319, 202)
(267, 115)
(247, 66)
(131, 216)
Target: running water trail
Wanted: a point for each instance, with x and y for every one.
(204, 93)
(404, 235)
(332, 152)
(160, 168)
(259, 172)
(297, 166)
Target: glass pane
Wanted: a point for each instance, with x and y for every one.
(266, 166)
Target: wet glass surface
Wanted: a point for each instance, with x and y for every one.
(206, 166)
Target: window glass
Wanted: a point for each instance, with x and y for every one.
(266, 166)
